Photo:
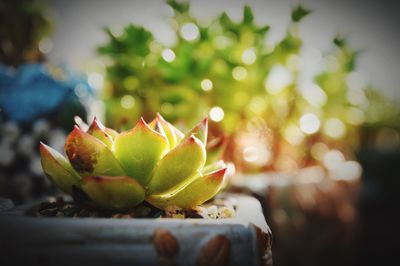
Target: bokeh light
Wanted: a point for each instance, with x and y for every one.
(309, 123)
(278, 79)
(216, 114)
(206, 85)
(333, 159)
(127, 101)
(334, 128)
(189, 31)
(249, 56)
(239, 73)
(168, 55)
(96, 80)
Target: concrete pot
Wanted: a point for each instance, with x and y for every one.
(29, 240)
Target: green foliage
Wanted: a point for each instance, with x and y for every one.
(174, 87)
(227, 65)
(299, 13)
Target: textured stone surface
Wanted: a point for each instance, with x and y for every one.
(243, 240)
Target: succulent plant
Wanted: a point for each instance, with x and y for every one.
(153, 162)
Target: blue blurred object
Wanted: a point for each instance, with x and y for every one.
(33, 91)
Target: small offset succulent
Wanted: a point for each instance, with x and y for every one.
(153, 162)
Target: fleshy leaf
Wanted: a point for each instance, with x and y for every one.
(58, 168)
(179, 135)
(213, 167)
(173, 134)
(157, 127)
(181, 163)
(139, 150)
(113, 192)
(195, 193)
(215, 148)
(200, 131)
(98, 130)
(89, 156)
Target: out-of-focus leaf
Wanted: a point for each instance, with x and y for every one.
(339, 41)
(215, 149)
(180, 7)
(225, 20)
(248, 16)
(299, 13)
(263, 30)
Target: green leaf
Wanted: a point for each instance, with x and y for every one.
(58, 168)
(179, 135)
(139, 150)
(339, 41)
(111, 132)
(163, 127)
(226, 21)
(193, 194)
(178, 6)
(299, 13)
(89, 156)
(248, 16)
(113, 192)
(263, 30)
(98, 130)
(177, 166)
(200, 131)
(215, 148)
(213, 167)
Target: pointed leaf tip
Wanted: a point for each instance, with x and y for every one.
(192, 138)
(217, 176)
(141, 122)
(172, 134)
(200, 131)
(204, 122)
(248, 16)
(96, 124)
(98, 130)
(159, 116)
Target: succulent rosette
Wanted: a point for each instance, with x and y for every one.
(153, 162)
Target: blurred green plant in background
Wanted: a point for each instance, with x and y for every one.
(249, 89)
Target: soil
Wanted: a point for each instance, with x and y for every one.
(61, 207)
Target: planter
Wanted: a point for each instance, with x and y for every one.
(243, 240)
